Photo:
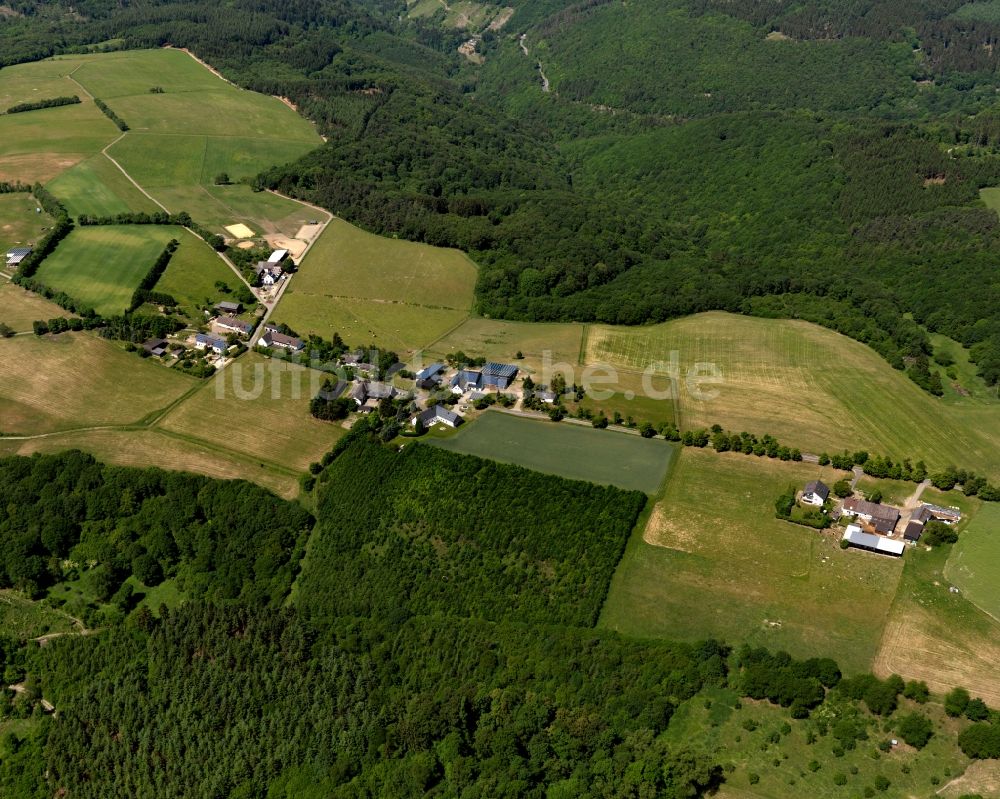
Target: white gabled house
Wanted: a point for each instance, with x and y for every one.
(815, 493)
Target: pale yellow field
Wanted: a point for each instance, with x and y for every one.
(19, 308)
(258, 408)
(77, 380)
(146, 448)
(499, 340)
(808, 386)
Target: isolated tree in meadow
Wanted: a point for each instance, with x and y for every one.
(956, 702)
(916, 729)
(222, 179)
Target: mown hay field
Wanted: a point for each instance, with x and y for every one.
(98, 188)
(938, 636)
(153, 447)
(259, 409)
(808, 386)
(568, 450)
(396, 294)
(102, 266)
(713, 561)
(500, 340)
(19, 308)
(78, 380)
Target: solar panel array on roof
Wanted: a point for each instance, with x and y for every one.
(499, 369)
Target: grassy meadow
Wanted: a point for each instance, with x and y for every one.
(191, 275)
(974, 565)
(155, 447)
(19, 308)
(568, 450)
(716, 722)
(179, 140)
(368, 288)
(20, 223)
(808, 386)
(98, 188)
(22, 618)
(102, 266)
(714, 561)
(258, 409)
(500, 340)
(77, 380)
(938, 636)
(38, 145)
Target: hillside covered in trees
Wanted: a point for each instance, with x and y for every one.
(819, 161)
(436, 643)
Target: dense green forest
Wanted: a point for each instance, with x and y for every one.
(816, 160)
(476, 673)
(429, 532)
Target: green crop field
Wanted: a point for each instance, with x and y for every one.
(714, 561)
(974, 565)
(568, 450)
(259, 409)
(77, 380)
(808, 386)
(20, 223)
(19, 308)
(102, 266)
(191, 276)
(369, 288)
(97, 187)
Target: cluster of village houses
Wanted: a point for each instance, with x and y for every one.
(877, 527)
(432, 383)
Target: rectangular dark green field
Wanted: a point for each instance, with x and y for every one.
(568, 450)
(102, 266)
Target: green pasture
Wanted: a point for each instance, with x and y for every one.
(22, 618)
(349, 262)
(98, 188)
(568, 450)
(191, 276)
(967, 386)
(713, 561)
(974, 565)
(557, 345)
(102, 266)
(394, 326)
(939, 636)
(369, 288)
(20, 223)
(37, 146)
(26, 83)
(739, 733)
(806, 385)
